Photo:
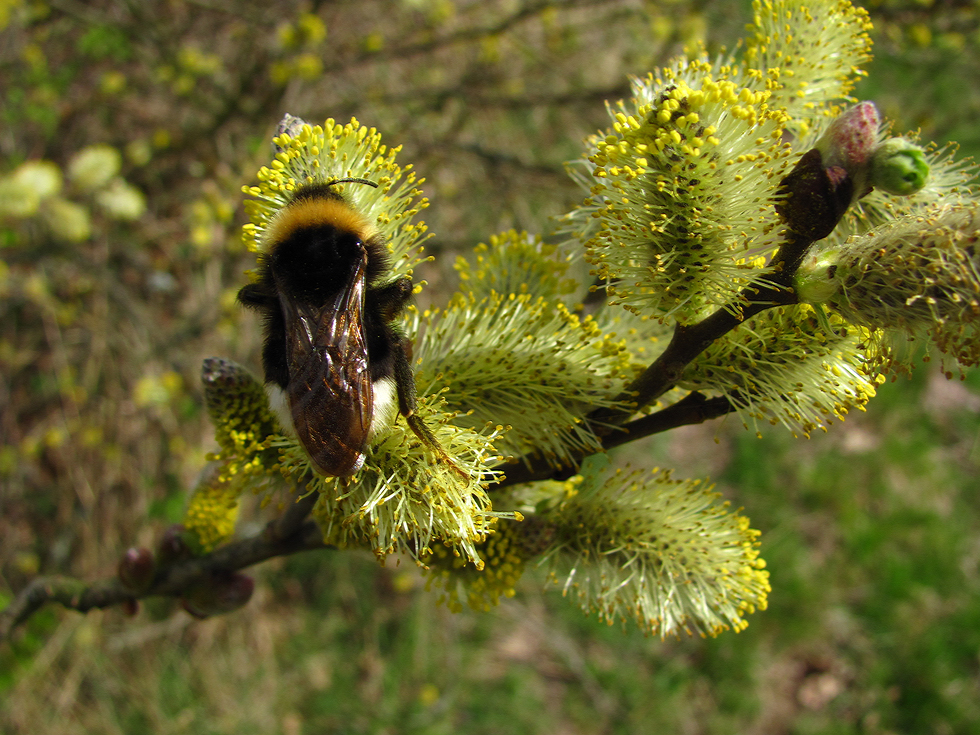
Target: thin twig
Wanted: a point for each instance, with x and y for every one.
(694, 408)
(170, 580)
(690, 340)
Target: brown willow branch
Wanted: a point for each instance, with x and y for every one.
(172, 579)
(687, 342)
(662, 374)
(694, 408)
(810, 204)
(690, 340)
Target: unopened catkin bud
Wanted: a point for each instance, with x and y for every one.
(172, 547)
(218, 593)
(136, 570)
(814, 282)
(235, 400)
(289, 125)
(850, 142)
(832, 175)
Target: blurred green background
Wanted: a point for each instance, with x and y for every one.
(109, 300)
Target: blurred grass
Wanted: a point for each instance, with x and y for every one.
(870, 532)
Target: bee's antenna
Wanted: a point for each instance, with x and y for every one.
(351, 181)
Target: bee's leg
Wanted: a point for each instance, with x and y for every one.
(389, 300)
(405, 384)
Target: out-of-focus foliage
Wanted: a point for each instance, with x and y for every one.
(925, 72)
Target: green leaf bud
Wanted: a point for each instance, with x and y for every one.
(899, 167)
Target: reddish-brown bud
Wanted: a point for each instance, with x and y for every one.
(838, 171)
(217, 594)
(172, 546)
(136, 570)
(849, 144)
(852, 137)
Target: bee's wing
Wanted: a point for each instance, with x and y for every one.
(330, 393)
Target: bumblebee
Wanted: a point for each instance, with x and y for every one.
(334, 362)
